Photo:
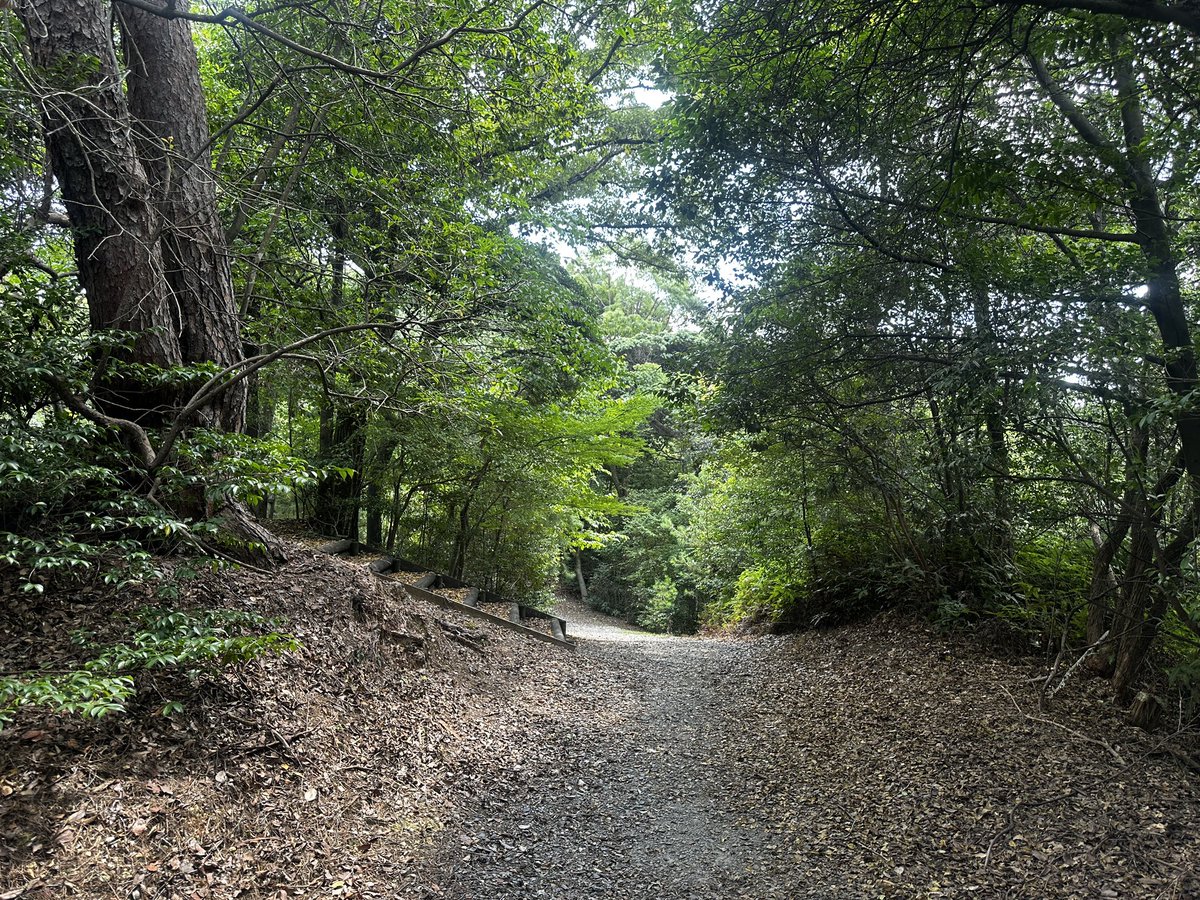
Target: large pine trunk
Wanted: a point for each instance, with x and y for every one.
(166, 101)
(108, 197)
(133, 166)
(132, 163)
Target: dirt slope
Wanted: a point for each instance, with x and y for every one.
(387, 759)
(329, 772)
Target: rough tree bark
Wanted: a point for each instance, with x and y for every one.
(166, 101)
(107, 194)
(133, 168)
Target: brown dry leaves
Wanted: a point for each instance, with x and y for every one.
(386, 759)
(324, 773)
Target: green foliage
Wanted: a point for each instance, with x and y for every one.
(1181, 643)
(924, 369)
(195, 642)
(764, 593)
(846, 574)
(68, 511)
(662, 607)
(639, 575)
(65, 510)
(223, 466)
(1183, 675)
(1053, 575)
(853, 571)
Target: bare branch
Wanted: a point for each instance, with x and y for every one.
(134, 434)
(233, 15)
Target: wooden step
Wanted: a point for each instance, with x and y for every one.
(447, 603)
(338, 547)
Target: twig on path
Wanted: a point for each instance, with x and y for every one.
(1047, 694)
(987, 859)
(461, 636)
(280, 740)
(1182, 755)
(1012, 814)
(1099, 742)
(1079, 734)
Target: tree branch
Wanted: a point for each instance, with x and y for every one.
(232, 15)
(1168, 14)
(135, 434)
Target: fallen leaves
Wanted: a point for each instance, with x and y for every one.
(324, 773)
(878, 760)
(881, 760)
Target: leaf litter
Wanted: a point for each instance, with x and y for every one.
(391, 757)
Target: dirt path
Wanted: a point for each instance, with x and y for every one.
(637, 804)
(842, 765)
(410, 751)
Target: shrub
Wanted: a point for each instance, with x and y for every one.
(1052, 580)
(193, 642)
(661, 610)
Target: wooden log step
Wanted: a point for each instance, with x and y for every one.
(500, 621)
(470, 602)
(407, 565)
(338, 547)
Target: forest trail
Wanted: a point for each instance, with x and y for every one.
(407, 750)
(643, 807)
(875, 761)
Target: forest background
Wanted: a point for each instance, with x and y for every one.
(876, 304)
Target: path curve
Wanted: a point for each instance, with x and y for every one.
(883, 759)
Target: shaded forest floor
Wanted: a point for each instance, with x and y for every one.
(390, 759)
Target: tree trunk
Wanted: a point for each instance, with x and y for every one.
(1165, 302)
(167, 103)
(583, 591)
(374, 516)
(398, 511)
(1000, 551)
(108, 198)
(1103, 588)
(342, 437)
(1133, 601)
(374, 505)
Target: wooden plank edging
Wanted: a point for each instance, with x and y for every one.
(447, 603)
(517, 611)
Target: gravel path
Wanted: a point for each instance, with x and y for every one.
(423, 754)
(878, 760)
(639, 802)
